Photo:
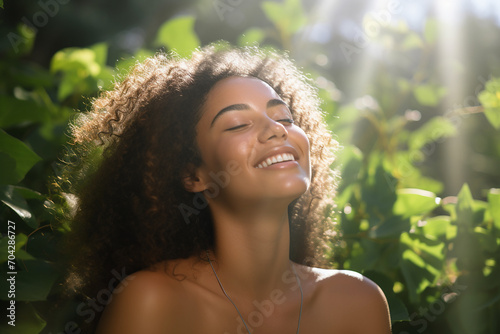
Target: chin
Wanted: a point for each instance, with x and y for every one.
(295, 189)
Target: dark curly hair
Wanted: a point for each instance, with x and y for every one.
(122, 177)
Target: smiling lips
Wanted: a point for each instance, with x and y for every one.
(276, 159)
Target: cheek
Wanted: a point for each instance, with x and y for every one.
(303, 143)
(233, 151)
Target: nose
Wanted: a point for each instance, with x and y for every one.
(272, 129)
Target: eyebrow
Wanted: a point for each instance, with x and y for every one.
(242, 106)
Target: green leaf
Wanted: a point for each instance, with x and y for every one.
(350, 160)
(486, 239)
(100, 53)
(34, 281)
(430, 250)
(479, 210)
(493, 116)
(80, 69)
(391, 227)
(378, 192)
(20, 254)
(437, 226)
(490, 99)
(23, 40)
(429, 95)
(71, 84)
(494, 206)
(465, 207)
(365, 257)
(288, 16)
(412, 268)
(29, 75)
(74, 59)
(433, 130)
(16, 111)
(8, 172)
(422, 261)
(29, 193)
(16, 159)
(451, 232)
(27, 321)
(404, 167)
(343, 126)
(467, 245)
(14, 200)
(411, 202)
(251, 36)
(178, 34)
(422, 182)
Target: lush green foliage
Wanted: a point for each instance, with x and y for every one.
(435, 258)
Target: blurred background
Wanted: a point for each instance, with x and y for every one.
(410, 90)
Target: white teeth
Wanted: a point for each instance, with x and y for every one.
(275, 159)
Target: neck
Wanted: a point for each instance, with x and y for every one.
(252, 250)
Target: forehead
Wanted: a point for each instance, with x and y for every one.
(238, 90)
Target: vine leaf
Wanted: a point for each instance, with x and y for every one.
(494, 205)
(34, 280)
(288, 16)
(413, 202)
(178, 35)
(16, 159)
(490, 99)
(27, 321)
(82, 70)
(15, 198)
(429, 95)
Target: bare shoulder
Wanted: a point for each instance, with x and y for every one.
(351, 282)
(358, 299)
(148, 301)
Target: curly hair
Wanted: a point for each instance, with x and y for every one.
(128, 153)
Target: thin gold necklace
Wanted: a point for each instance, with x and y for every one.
(237, 310)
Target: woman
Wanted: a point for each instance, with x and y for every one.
(209, 192)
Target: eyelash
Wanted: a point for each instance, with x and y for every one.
(286, 120)
(236, 127)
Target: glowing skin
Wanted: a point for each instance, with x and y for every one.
(246, 123)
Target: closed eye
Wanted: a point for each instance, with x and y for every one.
(286, 120)
(236, 127)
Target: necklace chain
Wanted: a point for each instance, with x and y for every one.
(237, 310)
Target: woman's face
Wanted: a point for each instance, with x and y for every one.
(250, 148)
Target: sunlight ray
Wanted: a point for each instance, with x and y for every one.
(451, 54)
